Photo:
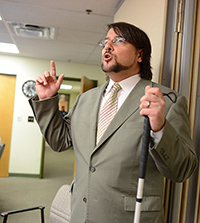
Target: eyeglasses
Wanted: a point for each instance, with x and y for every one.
(116, 41)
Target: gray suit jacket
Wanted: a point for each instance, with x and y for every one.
(105, 182)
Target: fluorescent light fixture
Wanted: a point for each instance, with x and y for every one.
(8, 48)
(65, 86)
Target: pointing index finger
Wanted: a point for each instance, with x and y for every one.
(53, 68)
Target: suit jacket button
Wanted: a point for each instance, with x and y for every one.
(85, 199)
(92, 169)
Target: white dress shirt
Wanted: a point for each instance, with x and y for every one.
(127, 86)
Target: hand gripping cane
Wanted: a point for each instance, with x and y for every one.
(142, 168)
(143, 159)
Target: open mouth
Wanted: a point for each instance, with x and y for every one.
(107, 57)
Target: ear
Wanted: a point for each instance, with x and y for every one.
(140, 56)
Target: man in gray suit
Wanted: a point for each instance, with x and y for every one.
(105, 181)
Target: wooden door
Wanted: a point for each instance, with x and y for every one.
(86, 84)
(7, 94)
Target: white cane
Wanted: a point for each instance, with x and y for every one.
(142, 168)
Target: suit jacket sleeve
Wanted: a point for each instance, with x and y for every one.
(174, 155)
(56, 131)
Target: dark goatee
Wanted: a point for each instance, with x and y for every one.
(116, 68)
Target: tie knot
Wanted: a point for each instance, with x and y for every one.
(116, 87)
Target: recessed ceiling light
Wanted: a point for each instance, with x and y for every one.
(65, 86)
(0, 18)
(8, 48)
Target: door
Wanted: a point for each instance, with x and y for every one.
(7, 94)
(87, 84)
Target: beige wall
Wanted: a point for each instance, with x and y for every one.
(148, 15)
(26, 139)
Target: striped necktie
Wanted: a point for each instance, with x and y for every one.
(108, 111)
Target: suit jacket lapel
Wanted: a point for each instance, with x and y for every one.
(96, 99)
(129, 107)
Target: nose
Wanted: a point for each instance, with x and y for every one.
(109, 46)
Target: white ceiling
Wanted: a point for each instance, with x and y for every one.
(77, 33)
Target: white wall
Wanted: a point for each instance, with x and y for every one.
(26, 139)
(148, 15)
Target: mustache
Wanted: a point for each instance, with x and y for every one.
(109, 52)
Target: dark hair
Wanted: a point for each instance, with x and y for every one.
(140, 40)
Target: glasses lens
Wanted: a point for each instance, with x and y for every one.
(102, 43)
(116, 41)
(119, 40)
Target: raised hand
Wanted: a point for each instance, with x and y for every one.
(47, 85)
(153, 105)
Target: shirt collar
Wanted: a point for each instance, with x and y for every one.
(127, 84)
